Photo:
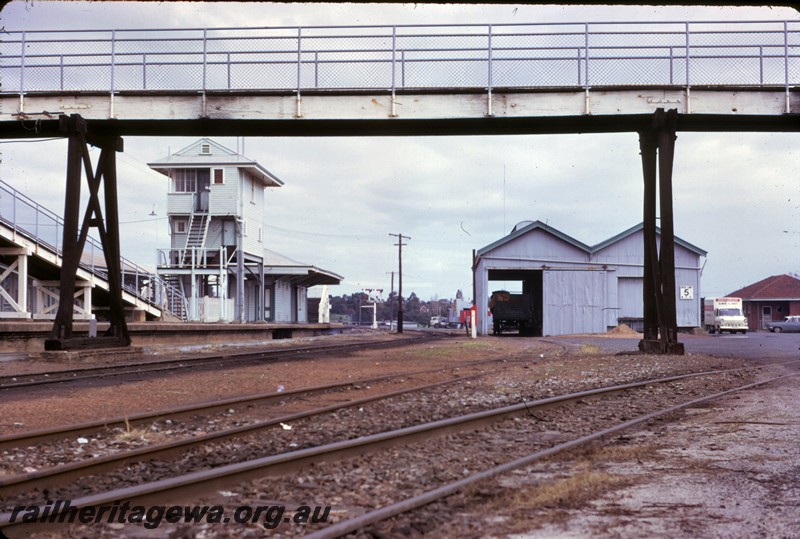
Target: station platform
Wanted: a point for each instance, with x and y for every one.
(27, 337)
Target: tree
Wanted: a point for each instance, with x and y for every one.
(348, 305)
(414, 309)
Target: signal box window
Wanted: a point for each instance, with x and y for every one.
(185, 181)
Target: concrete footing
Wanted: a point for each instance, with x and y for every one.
(29, 337)
(661, 347)
(96, 355)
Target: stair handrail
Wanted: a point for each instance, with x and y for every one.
(38, 233)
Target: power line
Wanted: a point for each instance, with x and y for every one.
(353, 236)
(31, 140)
(319, 234)
(142, 221)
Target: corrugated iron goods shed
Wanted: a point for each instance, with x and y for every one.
(577, 288)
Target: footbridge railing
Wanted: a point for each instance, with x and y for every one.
(44, 228)
(403, 57)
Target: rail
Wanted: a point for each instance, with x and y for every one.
(343, 527)
(193, 483)
(45, 228)
(404, 57)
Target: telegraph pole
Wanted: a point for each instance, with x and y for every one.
(400, 244)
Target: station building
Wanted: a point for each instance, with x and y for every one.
(577, 288)
(217, 256)
(770, 299)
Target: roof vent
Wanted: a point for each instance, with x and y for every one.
(520, 225)
(205, 149)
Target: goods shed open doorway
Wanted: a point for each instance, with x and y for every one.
(522, 311)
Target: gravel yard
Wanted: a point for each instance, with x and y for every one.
(708, 468)
(727, 470)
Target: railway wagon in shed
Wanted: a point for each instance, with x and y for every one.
(512, 312)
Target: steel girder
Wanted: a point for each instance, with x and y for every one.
(657, 144)
(74, 238)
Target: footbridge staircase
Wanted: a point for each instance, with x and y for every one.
(31, 260)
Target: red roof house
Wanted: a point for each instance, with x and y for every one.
(773, 298)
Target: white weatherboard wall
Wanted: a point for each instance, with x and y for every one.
(253, 215)
(251, 291)
(283, 301)
(223, 197)
(302, 300)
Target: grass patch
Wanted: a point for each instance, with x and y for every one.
(531, 506)
(568, 493)
(590, 349)
(138, 434)
(474, 343)
(623, 453)
(449, 350)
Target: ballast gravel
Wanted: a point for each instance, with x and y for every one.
(609, 489)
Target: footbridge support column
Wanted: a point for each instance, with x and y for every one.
(74, 237)
(18, 302)
(657, 144)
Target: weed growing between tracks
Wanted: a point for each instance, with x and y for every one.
(590, 349)
(546, 493)
(139, 434)
(448, 350)
(573, 491)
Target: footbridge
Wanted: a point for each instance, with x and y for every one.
(653, 78)
(373, 80)
(30, 241)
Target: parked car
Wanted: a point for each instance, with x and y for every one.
(789, 324)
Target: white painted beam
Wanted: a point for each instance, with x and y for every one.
(18, 304)
(375, 106)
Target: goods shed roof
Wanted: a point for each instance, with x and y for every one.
(527, 226)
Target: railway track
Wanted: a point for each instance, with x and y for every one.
(21, 381)
(188, 486)
(55, 476)
(28, 438)
(342, 393)
(409, 504)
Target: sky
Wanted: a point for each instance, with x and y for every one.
(736, 195)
